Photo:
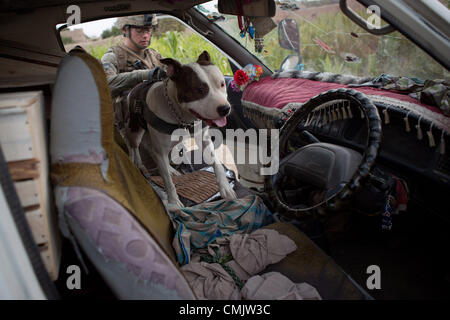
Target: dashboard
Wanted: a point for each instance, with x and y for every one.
(425, 169)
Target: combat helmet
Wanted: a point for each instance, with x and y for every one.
(143, 20)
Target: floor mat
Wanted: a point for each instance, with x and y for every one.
(196, 186)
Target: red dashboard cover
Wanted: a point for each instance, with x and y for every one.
(277, 93)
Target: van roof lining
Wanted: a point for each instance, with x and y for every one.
(29, 5)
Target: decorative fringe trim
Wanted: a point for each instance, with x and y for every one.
(344, 113)
(324, 122)
(270, 118)
(333, 115)
(419, 130)
(439, 120)
(407, 126)
(350, 113)
(386, 116)
(307, 120)
(431, 137)
(338, 113)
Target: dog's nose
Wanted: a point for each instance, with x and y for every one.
(223, 110)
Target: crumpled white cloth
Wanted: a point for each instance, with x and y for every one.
(210, 281)
(275, 286)
(254, 252)
(251, 254)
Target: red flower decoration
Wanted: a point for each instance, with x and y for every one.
(240, 77)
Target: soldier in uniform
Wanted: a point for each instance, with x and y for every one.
(131, 62)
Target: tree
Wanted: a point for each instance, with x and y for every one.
(169, 24)
(67, 40)
(112, 32)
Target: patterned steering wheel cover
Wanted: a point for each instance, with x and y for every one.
(343, 197)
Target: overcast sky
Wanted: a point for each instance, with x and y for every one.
(95, 28)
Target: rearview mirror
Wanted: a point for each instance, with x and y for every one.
(289, 35)
(289, 38)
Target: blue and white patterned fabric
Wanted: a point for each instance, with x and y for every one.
(200, 225)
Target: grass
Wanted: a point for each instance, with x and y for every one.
(390, 54)
(185, 48)
(98, 51)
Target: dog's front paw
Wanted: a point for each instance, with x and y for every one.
(175, 202)
(173, 171)
(227, 192)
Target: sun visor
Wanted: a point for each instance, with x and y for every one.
(255, 8)
(263, 25)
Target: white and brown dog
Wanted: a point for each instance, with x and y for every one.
(192, 92)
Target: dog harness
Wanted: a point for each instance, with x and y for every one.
(141, 115)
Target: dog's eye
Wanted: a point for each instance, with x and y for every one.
(222, 84)
(201, 90)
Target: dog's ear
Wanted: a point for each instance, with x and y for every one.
(174, 68)
(204, 58)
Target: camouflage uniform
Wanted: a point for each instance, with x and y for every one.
(125, 69)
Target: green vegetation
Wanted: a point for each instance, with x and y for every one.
(168, 24)
(67, 40)
(181, 46)
(390, 54)
(98, 51)
(112, 32)
(187, 47)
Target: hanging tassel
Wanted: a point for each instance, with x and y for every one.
(386, 116)
(338, 113)
(307, 120)
(349, 108)
(324, 118)
(316, 119)
(419, 130)
(431, 137)
(362, 113)
(344, 114)
(333, 115)
(313, 115)
(330, 119)
(407, 126)
(442, 143)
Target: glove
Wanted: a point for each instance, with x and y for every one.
(157, 74)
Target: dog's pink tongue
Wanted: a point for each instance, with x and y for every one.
(220, 122)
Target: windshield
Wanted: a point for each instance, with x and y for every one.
(331, 42)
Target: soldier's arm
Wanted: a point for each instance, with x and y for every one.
(119, 82)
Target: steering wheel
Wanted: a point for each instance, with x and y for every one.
(316, 166)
